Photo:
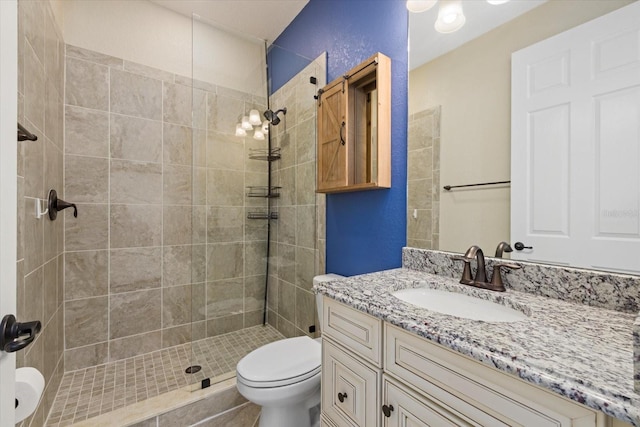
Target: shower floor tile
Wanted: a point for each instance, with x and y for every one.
(93, 391)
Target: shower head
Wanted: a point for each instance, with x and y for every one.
(273, 117)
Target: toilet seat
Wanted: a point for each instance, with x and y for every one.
(281, 363)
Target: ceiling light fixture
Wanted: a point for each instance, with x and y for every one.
(450, 16)
(240, 131)
(418, 6)
(497, 1)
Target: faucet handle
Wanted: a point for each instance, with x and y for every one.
(466, 273)
(496, 279)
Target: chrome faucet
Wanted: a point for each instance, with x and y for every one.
(480, 279)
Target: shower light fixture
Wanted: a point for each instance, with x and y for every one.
(450, 16)
(240, 131)
(245, 123)
(254, 118)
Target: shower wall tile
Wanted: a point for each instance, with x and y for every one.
(39, 168)
(224, 325)
(135, 226)
(123, 348)
(225, 224)
(168, 216)
(33, 166)
(31, 16)
(154, 73)
(90, 230)
(92, 56)
(224, 260)
(83, 357)
(254, 293)
(223, 112)
(52, 111)
(50, 292)
(177, 186)
(176, 305)
(85, 274)
(135, 95)
(177, 102)
(33, 236)
(177, 226)
(86, 321)
(177, 265)
(34, 294)
(135, 182)
(86, 179)
(255, 261)
(177, 145)
(135, 269)
(86, 132)
(305, 309)
(133, 138)
(225, 151)
(34, 88)
(132, 313)
(225, 188)
(87, 84)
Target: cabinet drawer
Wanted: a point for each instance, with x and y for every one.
(349, 389)
(358, 331)
(409, 409)
(457, 381)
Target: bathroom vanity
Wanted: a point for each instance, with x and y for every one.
(386, 362)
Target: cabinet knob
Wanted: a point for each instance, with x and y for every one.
(387, 410)
(342, 397)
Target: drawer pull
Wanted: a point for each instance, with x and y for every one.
(342, 397)
(387, 410)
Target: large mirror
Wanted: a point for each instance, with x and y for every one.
(460, 115)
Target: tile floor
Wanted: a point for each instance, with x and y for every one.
(89, 392)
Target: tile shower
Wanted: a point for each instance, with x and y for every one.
(162, 268)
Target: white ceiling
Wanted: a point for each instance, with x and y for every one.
(266, 19)
(263, 19)
(425, 43)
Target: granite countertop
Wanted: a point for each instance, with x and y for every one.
(580, 352)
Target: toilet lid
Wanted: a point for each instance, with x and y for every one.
(281, 363)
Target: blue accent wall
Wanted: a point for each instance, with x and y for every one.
(365, 230)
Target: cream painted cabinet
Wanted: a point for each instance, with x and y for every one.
(376, 374)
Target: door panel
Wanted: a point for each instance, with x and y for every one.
(575, 145)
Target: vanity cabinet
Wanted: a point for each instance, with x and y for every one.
(398, 378)
(354, 129)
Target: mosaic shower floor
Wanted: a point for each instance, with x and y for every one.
(89, 392)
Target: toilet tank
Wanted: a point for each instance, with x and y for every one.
(319, 279)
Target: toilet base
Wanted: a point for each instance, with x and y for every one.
(291, 416)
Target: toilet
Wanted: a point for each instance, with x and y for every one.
(284, 377)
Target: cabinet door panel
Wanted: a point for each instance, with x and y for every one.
(462, 383)
(349, 389)
(359, 331)
(332, 148)
(410, 410)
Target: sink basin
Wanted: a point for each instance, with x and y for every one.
(459, 305)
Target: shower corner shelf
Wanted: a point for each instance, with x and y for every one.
(264, 191)
(262, 215)
(268, 154)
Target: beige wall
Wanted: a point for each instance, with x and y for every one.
(148, 34)
(473, 86)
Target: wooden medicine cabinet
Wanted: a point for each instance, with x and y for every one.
(354, 129)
